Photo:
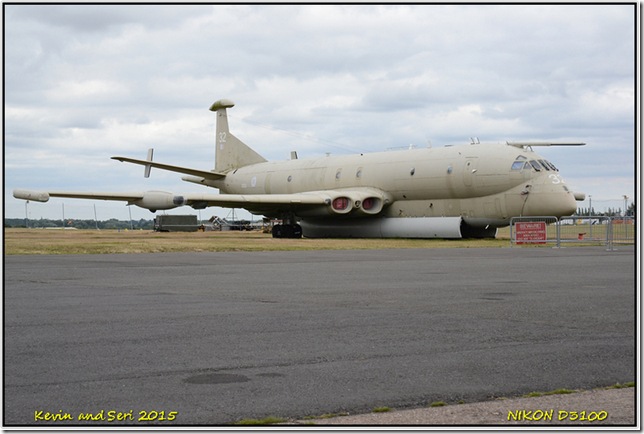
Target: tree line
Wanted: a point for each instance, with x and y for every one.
(78, 224)
(149, 224)
(610, 212)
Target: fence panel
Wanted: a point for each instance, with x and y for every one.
(581, 230)
(623, 230)
(551, 230)
(592, 229)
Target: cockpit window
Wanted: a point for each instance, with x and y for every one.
(535, 165)
(517, 165)
(544, 165)
(552, 166)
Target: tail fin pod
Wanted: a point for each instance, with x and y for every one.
(230, 153)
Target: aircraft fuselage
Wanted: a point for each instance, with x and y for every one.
(479, 182)
(448, 192)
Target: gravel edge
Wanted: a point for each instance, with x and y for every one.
(614, 407)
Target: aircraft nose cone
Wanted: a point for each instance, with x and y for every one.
(569, 205)
(557, 202)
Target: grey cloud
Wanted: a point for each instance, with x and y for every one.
(366, 76)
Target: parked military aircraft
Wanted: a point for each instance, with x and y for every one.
(459, 191)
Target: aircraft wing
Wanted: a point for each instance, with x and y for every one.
(152, 200)
(161, 200)
(187, 170)
(43, 196)
(367, 201)
(270, 204)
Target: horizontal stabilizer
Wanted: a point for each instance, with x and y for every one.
(188, 171)
(526, 144)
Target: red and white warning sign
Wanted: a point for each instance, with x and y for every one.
(530, 232)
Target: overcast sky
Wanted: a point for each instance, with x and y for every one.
(87, 82)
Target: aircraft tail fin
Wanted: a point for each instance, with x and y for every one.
(231, 153)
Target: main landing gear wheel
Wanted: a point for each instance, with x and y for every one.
(287, 231)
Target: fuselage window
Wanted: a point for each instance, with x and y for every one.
(535, 165)
(545, 166)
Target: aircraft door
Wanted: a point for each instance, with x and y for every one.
(267, 183)
(469, 170)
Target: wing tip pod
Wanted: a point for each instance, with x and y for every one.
(38, 196)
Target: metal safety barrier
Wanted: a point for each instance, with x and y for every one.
(599, 230)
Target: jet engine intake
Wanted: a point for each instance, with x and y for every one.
(362, 202)
(341, 205)
(350, 203)
(370, 205)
